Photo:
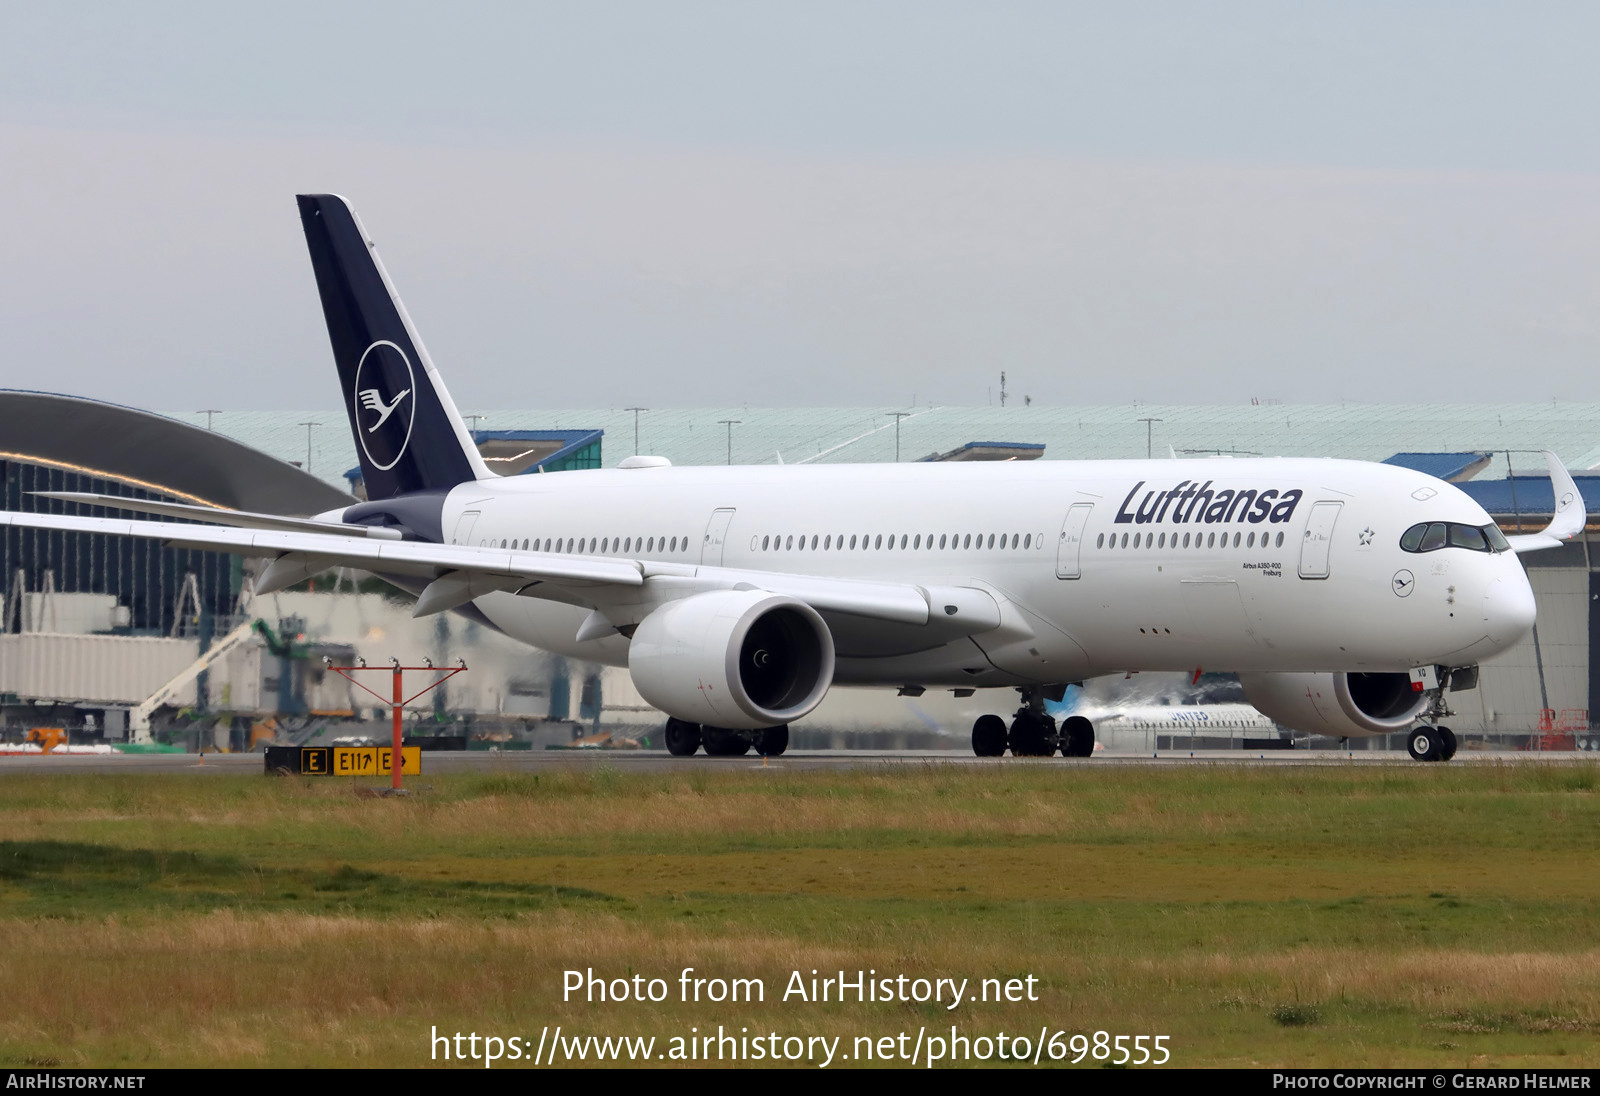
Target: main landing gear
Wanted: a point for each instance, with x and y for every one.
(1033, 732)
(683, 739)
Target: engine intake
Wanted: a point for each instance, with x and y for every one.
(733, 658)
(1339, 705)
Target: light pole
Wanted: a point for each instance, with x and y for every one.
(208, 412)
(309, 426)
(472, 430)
(1149, 432)
(898, 415)
(730, 424)
(636, 411)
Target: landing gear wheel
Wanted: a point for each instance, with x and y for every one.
(1423, 744)
(724, 743)
(1078, 735)
(683, 739)
(989, 736)
(772, 741)
(1447, 743)
(1031, 734)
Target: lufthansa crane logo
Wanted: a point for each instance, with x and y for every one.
(384, 403)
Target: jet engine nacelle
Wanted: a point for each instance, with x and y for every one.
(1339, 705)
(738, 659)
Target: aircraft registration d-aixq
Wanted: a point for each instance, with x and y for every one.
(1348, 596)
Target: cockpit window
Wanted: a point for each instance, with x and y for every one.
(1431, 536)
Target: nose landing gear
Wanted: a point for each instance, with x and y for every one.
(1431, 744)
(1432, 741)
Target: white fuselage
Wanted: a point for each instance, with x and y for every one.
(1097, 566)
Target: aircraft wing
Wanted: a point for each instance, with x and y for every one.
(620, 589)
(242, 519)
(1568, 518)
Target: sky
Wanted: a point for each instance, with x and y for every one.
(595, 204)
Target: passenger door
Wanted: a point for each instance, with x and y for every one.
(716, 537)
(1318, 540)
(1070, 546)
(464, 524)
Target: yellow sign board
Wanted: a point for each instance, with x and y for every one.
(375, 760)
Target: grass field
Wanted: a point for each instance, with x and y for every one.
(1394, 915)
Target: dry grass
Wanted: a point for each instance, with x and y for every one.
(1291, 918)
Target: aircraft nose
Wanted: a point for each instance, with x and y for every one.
(1508, 609)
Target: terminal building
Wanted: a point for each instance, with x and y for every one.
(144, 616)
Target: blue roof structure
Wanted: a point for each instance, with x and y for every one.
(568, 442)
(1450, 467)
(991, 450)
(1528, 495)
(518, 452)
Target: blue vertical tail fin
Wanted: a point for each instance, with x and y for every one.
(409, 436)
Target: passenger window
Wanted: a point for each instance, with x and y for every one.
(878, 543)
(1136, 540)
(1027, 540)
(789, 544)
(1211, 540)
(1162, 543)
(1100, 541)
(766, 542)
(1238, 538)
(1186, 540)
(813, 542)
(1279, 543)
(852, 543)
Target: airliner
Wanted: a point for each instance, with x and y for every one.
(1350, 597)
(1141, 725)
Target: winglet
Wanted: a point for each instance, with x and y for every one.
(1569, 515)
